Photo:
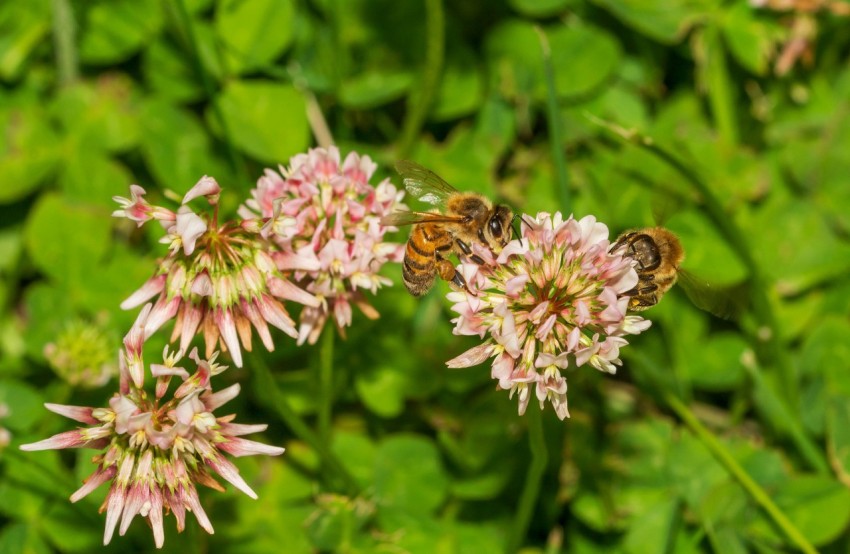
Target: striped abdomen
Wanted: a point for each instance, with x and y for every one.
(427, 241)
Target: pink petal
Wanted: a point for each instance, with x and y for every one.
(190, 497)
(471, 357)
(230, 473)
(224, 320)
(68, 439)
(93, 481)
(151, 288)
(217, 399)
(77, 413)
(286, 290)
(243, 447)
(237, 429)
(207, 186)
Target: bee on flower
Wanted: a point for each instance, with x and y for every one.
(217, 279)
(553, 299)
(325, 219)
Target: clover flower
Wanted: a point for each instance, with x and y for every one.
(217, 279)
(81, 355)
(552, 299)
(155, 451)
(325, 218)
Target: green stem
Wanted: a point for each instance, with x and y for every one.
(186, 21)
(423, 95)
(727, 461)
(64, 33)
(326, 383)
(533, 479)
(270, 394)
(553, 117)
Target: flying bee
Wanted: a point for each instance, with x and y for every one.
(658, 255)
(459, 220)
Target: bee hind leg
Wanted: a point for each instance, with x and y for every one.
(448, 273)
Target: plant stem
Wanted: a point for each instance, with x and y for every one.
(326, 383)
(553, 117)
(270, 394)
(423, 95)
(64, 33)
(753, 489)
(533, 479)
(192, 42)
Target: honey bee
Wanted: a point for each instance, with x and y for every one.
(459, 220)
(658, 254)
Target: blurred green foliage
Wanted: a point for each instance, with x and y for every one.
(96, 95)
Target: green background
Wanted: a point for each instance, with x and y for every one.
(96, 95)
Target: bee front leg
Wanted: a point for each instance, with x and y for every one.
(448, 273)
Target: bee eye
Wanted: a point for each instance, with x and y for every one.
(495, 227)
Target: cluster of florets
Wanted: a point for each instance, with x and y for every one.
(325, 219)
(556, 297)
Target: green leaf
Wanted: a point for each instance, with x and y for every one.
(715, 364)
(95, 179)
(541, 8)
(357, 452)
(23, 26)
(819, 507)
(25, 405)
(28, 149)
(751, 40)
(461, 88)
(583, 58)
(176, 148)
(374, 88)
(103, 115)
(24, 538)
(64, 525)
(72, 257)
(382, 389)
(50, 308)
(408, 475)
(649, 533)
(265, 119)
(254, 32)
(170, 73)
(115, 30)
(666, 21)
(838, 436)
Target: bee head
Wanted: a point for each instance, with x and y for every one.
(498, 229)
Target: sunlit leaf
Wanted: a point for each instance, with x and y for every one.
(266, 120)
(253, 32)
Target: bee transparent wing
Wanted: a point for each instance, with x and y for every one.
(725, 302)
(398, 219)
(423, 183)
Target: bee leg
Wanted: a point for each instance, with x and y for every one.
(467, 251)
(448, 273)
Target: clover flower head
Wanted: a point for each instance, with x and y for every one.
(217, 279)
(324, 216)
(154, 451)
(552, 299)
(81, 355)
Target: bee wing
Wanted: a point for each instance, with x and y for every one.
(423, 183)
(726, 302)
(411, 218)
